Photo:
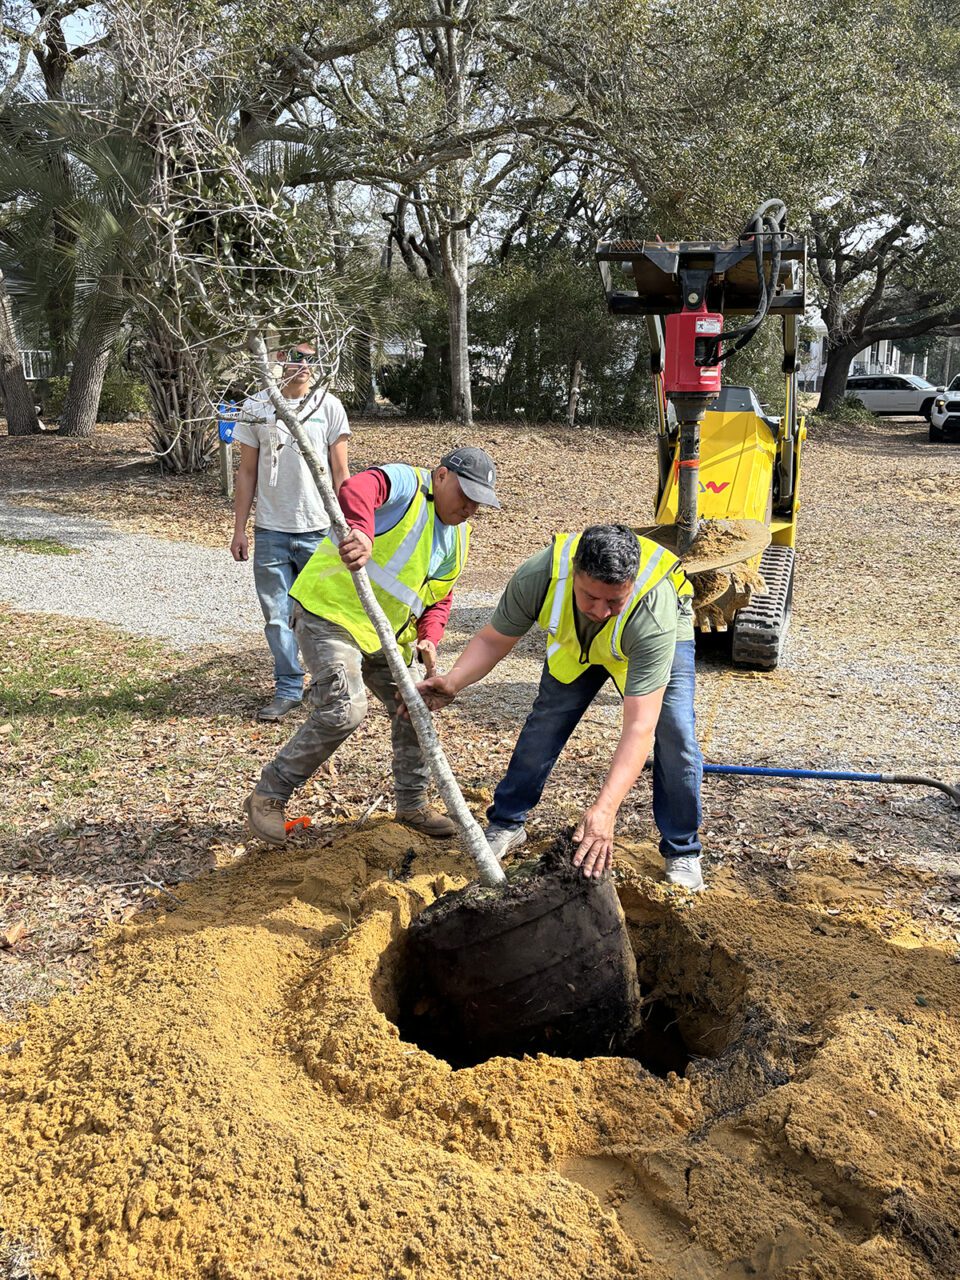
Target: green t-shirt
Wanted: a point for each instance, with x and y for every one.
(648, 639)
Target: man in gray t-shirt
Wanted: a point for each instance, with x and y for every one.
(290, 519)
(612, 606)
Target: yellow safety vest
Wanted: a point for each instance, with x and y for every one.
(399, 571)
(557, 616)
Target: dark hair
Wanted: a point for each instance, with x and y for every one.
(608, 552)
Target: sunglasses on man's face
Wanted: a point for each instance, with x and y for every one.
(293, 356)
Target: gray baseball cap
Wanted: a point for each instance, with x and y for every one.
(475, 470)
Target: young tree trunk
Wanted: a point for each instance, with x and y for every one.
(835, 377)
(21, 414)
(490, 871)
(90, 360)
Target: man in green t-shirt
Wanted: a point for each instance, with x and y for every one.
(612, 605)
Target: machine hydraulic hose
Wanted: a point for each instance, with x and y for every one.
(832, 775)
(836, 775)
(767, 222)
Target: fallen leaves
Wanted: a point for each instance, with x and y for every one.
(10, 936)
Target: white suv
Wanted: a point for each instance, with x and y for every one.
(945, 414)
(894, 393)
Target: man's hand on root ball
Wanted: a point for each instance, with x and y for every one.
(594, 836)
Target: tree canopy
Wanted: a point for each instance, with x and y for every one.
(437, 173)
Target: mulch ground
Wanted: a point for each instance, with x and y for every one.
(109, 796)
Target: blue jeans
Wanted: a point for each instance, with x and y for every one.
(277, 559)
(677, 762)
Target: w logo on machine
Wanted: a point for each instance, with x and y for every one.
(713, 486)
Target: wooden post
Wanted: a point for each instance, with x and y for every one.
(226, 468)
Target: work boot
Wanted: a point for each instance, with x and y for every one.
(265, 818)
(428, 822)
(277, 708)
(684, 870)
(502, 839)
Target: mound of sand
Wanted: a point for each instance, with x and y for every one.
(230, 1097)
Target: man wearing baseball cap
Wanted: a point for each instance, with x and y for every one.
(409, 527)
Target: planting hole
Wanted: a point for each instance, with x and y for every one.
(689, 1004)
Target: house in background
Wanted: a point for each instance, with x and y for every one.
(36, 364)
(939, 363)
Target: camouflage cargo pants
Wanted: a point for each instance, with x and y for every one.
(337, 700)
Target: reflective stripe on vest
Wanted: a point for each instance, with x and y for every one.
(639, 589)
(558, 612)
(563, 572)
(398, 568)
(388, 581)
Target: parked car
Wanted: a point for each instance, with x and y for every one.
(945, 414)
(894, 393)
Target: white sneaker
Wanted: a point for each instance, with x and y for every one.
(502, 839)
(684, 870)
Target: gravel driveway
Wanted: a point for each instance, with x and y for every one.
(179, 592)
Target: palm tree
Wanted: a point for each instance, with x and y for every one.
(106, 249)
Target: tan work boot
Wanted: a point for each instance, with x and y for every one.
(265, 818)
(428, 822)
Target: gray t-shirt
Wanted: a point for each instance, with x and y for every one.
(649, 636)
(287, 498)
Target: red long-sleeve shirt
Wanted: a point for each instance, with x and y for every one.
(359, 498)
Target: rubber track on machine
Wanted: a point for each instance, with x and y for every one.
(761, 626)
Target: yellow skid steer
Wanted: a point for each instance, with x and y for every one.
(728, 473)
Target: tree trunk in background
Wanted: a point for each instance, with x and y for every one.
(60, 303)
(455, 267)
(90, 360)
(452, 69)
(533, 373)
(430, 399)
(573, 396)
(361, 351)
(638, 386)
(835, 377)
(183, 433)
(20, 411)
(55, 60)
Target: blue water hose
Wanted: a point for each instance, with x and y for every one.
(836, 775)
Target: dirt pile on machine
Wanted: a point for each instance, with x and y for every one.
(722, 564)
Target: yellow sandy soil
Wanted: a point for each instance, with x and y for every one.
(230, 1096)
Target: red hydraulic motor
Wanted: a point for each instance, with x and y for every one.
(691, 381)
(690, 358)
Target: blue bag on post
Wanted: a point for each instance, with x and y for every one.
(227, 413)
